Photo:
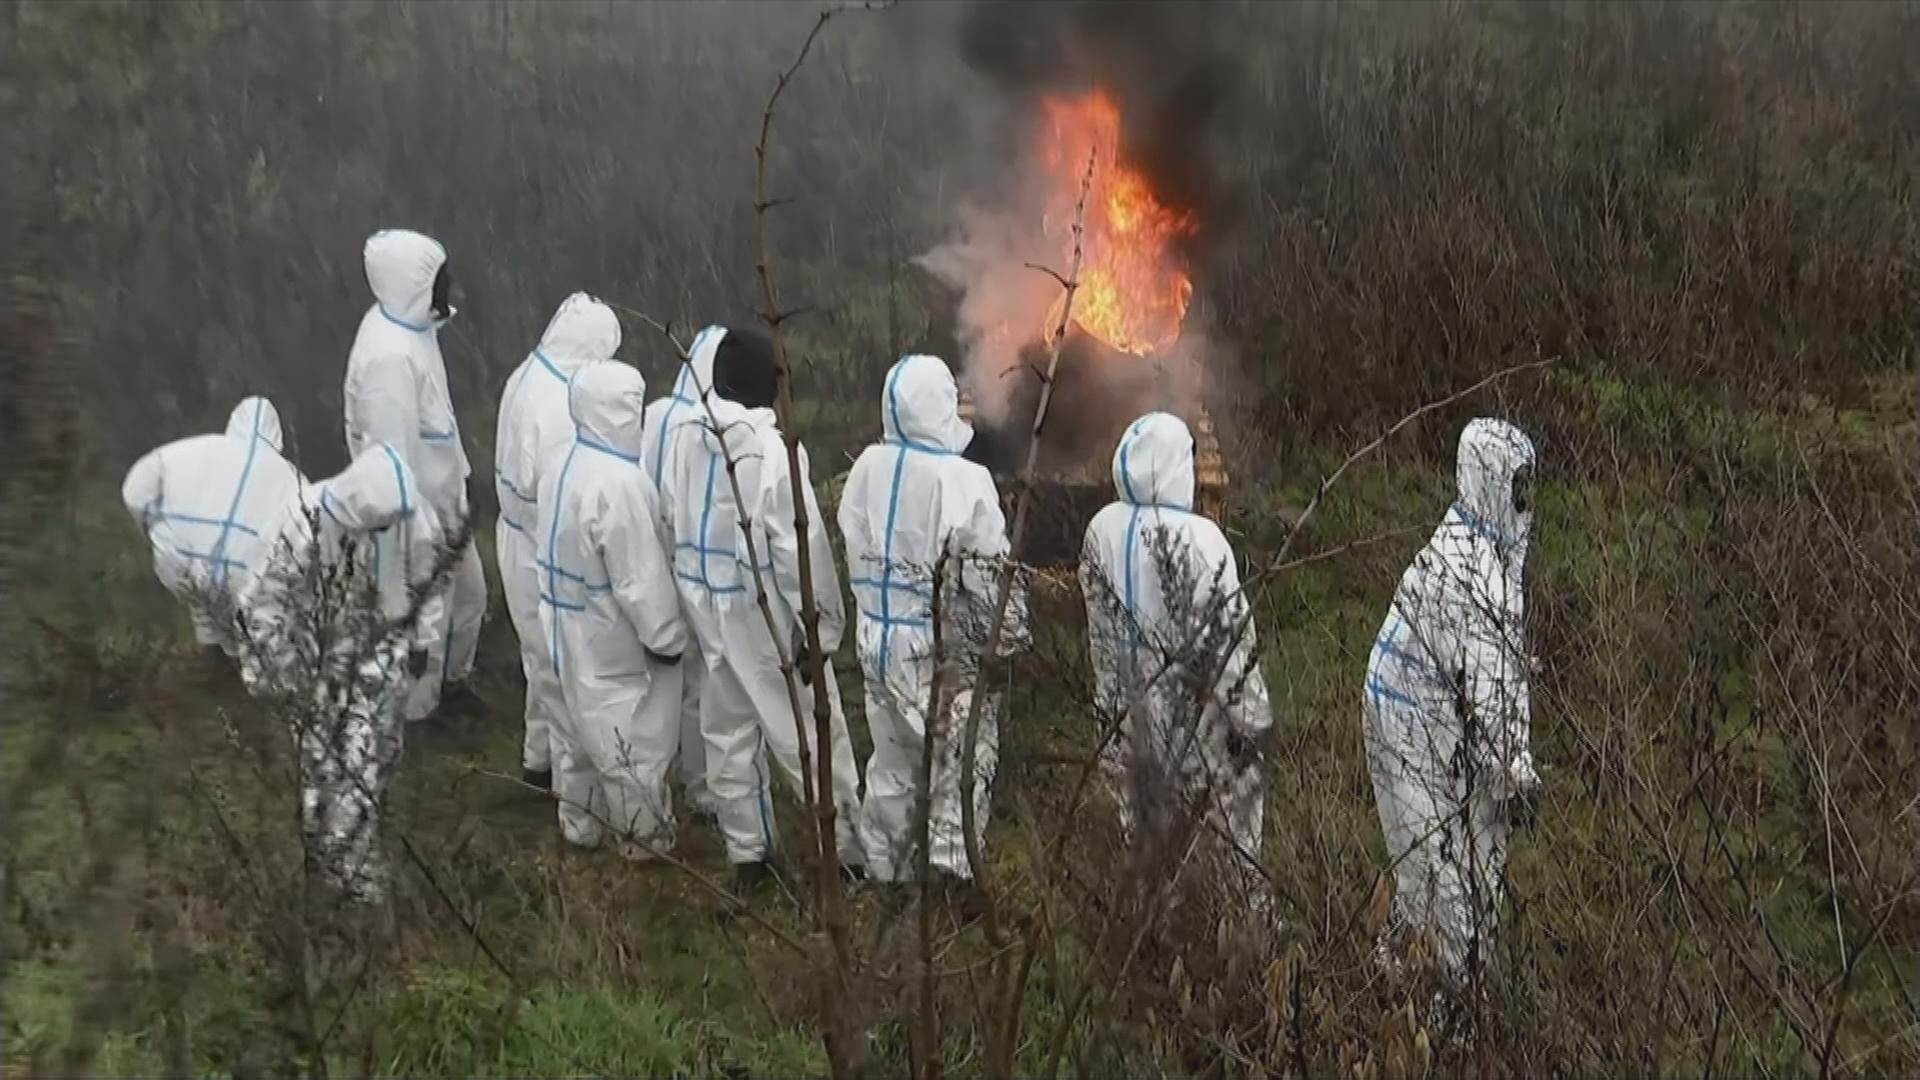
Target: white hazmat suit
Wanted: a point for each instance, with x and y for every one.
(1173, 650)
(535, 432)
(613, 622)
(209, 506)
(743, 703)
(396, 393)
(908, 500)
(1447, 703)
(346, 557)
(684, 406)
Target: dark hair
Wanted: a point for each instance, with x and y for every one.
(743, 368)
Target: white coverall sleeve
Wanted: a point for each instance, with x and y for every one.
(983, 548)
(1102, 631)
(776, 519)
(143, 487)
(424, 539)
(1243, 686)
(387, 409)
(1496, 686)
(627, 536)
(855, 523)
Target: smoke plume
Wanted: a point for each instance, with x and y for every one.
(1164, 63)
(1176, 86)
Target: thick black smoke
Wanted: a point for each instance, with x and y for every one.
(1167, 65)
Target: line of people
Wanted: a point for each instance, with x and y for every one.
(650, 561)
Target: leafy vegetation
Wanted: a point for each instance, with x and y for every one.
(1704, 212)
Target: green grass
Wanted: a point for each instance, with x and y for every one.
(131, 943)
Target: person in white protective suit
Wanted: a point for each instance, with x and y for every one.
(613, 625)
(209, 506)
(910, 500)
(1447, 712)
(396, 393)
(536, 430)
(1174, 653)
(347, 558)
(744, 707)
(684, 406)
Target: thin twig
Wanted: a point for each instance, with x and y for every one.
(820, 801)
(1010, 981)
(1326, 483)
(665, 330)
(1355, 545)
(1003, 591)
(1052, 273)
(841, 1041)
(927, 1044)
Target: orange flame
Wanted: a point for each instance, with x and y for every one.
(1134, 287)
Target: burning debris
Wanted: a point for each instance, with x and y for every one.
(1129, 349)
(1087, 91)
(1134, 283)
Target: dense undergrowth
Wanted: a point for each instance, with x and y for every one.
(1704, 213)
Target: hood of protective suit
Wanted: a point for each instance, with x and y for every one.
(583, 331)
(609, 402)
(1491, 453)
(401, 265)
(697, 373)
(921, 406)
(256, 418)
(740, 424)
(372, 493)
(1154, 464)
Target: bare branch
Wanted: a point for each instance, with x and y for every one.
(1003, 591)
(1052, 273)
(1333, 478)
(665, 330)
(926, 1044)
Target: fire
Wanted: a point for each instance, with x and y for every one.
(1134, 287)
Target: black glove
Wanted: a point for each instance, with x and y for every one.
(802, 659)
(1242, 750)
(1523, 809)
(417, 663)
(662, 659)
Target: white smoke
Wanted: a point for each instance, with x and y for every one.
(1004, 302)
(1007, 306)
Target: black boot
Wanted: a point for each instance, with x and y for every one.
(214, 665)
(751, 876)
(459, 703)
(963, 896)
(748, 878)
(540, 778)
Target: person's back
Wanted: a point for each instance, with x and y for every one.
(913, 507)
(1446, 704)
(613, 624)
(370, 529)
(744, 702)
(395, 392)
(328, 643)
(396, 382)
(1172, 642)
(711, 566)
(535, 430)
(209, 506)
(681, 405)
(685, 404)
